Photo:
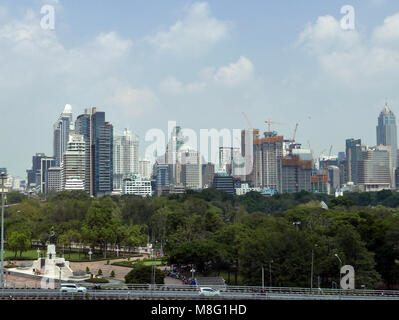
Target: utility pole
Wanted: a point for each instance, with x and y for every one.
(311, 277)
(340, 261)
(3, 177)
(263, 277)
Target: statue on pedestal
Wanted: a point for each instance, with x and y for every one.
(52, 235)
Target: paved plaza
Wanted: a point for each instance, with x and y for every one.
(94, 266)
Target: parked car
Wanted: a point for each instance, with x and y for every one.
(208, 292)
(72, 288)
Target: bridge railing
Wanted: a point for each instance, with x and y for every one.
(258, 289)
(226, 290)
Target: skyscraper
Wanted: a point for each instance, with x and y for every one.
(45, 164)
(268, 153)
(171, 156)
(353, 155)
(98, 137)
(145, 168)
(74, 161)
(125, 156)
(191, 169)
(387, 136)
(374, 169)
(296, 174)
(61, 134)
(34, 172)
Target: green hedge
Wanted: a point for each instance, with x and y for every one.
(97, 280)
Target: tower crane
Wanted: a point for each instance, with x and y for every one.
(249, 122)
(294, 135)
(270, 122)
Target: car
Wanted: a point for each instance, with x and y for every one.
(96, 287)
(72, 288)
(208, 292)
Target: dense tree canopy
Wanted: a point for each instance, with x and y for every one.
(221, 234)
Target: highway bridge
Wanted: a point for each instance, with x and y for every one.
(163, 292)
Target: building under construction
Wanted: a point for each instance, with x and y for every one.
(268, 154)
(296, 174)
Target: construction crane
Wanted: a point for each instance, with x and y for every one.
(249, 122)
(321, 153)
(294, 135)
(270, 122)
(311, 152)
(329, 153)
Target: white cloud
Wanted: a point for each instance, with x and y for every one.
(193, 34)
(134, 101)
(232, 75)
(173, 86)
(235, 73)
(351, 57)
(388, 33)
(326, 35)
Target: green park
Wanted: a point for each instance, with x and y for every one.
(221, 235)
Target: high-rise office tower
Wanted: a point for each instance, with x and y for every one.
(223, 182)
(268, 152)
(191, 169)
(162, 176)
(61, 133)
(126, 148)
(374, 169)
(387, 136)
(247, 149)
(98, 137)
(74, 161)
(145, 169)
(354, 150)
(45, 164)
(208, 173)
(34, 173)
(83, 127)
(228, 159)
(171, 156)
(54, 180)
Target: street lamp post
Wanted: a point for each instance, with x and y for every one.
(311, 277)
(192, 275)
(340, 261)
(270, 273)
(3, 177)
(296, 223)
(263, 277)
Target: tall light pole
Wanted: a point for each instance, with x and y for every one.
(296, 223)
(311, 276)
(3, 177)
(270, 272)
(340, 261)
(263, 277)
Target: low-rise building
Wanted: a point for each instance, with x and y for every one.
(135, 185)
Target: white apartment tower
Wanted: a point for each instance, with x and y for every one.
(126, 156)
(74, 161)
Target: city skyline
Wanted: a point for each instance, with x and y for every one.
(143, 73)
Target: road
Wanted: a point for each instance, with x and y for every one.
(189, 294)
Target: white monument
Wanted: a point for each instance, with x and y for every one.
(51, 266)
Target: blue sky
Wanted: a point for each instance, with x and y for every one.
(199, 63)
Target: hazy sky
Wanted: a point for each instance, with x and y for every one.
(199, 63)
